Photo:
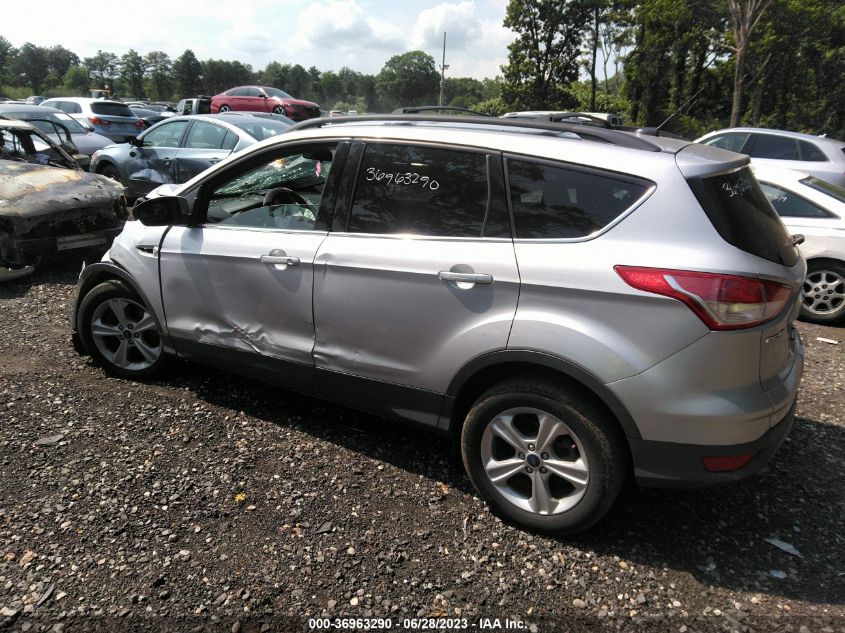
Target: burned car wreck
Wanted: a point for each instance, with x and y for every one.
(49, 207)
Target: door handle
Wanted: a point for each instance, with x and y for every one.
(467, 278)
(283, 260)
(214, 160)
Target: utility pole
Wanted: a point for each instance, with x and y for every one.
(443, 67)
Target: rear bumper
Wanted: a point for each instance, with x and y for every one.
(670, 465)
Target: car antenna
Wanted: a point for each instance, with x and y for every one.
(680, 108)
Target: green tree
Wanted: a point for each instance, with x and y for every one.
(543, 59)
(159, 74)
(132, 68)
(31, 66)
(187, 74)
(408, 79)
(745, 16)
(103, 69)
(60, 59)
(7, 55)
(77, 82)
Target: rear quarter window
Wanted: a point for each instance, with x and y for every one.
(556, 202)
(740, 212)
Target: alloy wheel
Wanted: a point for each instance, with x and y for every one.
(535, 461)
(126, 334)
(824, 293)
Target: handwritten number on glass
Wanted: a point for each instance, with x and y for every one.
(408, 178)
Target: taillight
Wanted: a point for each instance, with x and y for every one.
(98, 121)
(723, 302)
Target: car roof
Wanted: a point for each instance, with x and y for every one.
(785, 133)
(85, 100)
(15, 124)
(28, 107)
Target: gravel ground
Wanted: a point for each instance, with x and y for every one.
(208, 502)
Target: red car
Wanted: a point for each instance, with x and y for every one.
(264, 99)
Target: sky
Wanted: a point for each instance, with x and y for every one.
(328, 34)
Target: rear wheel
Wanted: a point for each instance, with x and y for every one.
(120, 332)
(543, 456)
(224, 108)
(823, 301)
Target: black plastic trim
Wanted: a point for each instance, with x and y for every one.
(418, 407)
(549, 361)
(670, 465)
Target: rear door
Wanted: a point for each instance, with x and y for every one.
(417, 278)
(205, 144)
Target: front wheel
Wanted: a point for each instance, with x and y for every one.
(823, 301)
(109, 171)
(120, 332)
(543, 456)
(278, 110)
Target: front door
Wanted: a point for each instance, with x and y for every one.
(237, 290)
(152, 164)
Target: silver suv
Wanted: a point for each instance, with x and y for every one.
(574, 306)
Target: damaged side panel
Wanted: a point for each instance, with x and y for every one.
(218, 293)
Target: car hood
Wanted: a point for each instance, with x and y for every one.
(300, 102)
(89, 143)
(28, 190)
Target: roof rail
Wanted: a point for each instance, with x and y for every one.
(434, 108)
(587, 132)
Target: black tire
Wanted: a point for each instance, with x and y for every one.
(278, 110)
(224, 108)
(823, 301)
(136, 361)
(592, 440)
(110, 171)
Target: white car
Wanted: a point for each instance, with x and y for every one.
(817, 155)
(815, 209)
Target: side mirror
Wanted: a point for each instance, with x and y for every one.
(164, 211)
(82, 160)
(134, 140)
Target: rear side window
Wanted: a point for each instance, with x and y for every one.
(790, 205)
(743, 216)
(111, 109)
(812, 153)
(551, 202)
(770, 146)
(420, 190)
(205, 136)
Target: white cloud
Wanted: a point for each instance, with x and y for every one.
(457, 20)
(344, 25)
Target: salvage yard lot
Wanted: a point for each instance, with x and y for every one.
(205, 501)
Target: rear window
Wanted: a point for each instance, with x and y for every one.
(551, 202)
(111, 109)
(743, 216)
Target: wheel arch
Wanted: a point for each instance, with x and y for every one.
(481, 373)
(95, 274)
